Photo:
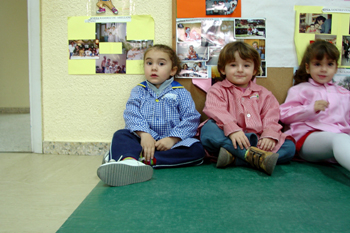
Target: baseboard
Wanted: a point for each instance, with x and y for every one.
(14, 110)
(75, 148)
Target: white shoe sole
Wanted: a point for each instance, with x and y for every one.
(117, 174)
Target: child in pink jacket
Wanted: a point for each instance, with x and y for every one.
(243, 126)
(316, 109)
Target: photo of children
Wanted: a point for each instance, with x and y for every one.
(111, 64)
(345, 51)
(225, 7)
(217, 32)
(111, 32)
(189, 31)
(259, 45)
(83, 49)
(193, 70)
(315, 23)
(250, 28)
(192, 51)
(136, 49)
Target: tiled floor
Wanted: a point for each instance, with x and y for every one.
(38, 192)
(15, 133)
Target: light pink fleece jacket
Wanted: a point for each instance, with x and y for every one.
(298, 109)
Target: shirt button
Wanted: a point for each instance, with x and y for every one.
(248, 115)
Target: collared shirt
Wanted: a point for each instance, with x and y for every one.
(298, 110)
(171, 113)
(256, 110)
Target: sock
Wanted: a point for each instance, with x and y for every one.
(128, 158)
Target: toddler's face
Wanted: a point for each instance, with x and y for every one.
(322, 71)
(239, 71)
(158, 67)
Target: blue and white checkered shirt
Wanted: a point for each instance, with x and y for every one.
(171, 113)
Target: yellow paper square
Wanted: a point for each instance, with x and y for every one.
(79, 30)
(111, 48)
(141, 27)
(134, 67)
(82, 66)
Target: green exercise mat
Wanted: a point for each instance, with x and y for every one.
(298, 197)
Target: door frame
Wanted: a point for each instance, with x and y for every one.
(34, 62)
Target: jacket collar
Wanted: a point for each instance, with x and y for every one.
(251, 86)
(330, 83)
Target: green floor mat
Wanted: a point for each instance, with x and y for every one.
(298, 197)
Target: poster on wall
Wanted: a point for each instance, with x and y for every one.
(208, 8)
(108, 45)
(332, 25)
(200, 40)
(319, 23)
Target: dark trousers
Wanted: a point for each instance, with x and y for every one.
(125, 144)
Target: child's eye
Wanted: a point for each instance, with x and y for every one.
(161, 64)
(233, 65)
(247, 65)
(148, 63)
(317, 64)
(331, 64)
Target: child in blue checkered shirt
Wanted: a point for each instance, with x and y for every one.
(160, 124)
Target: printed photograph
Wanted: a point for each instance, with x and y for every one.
(259, 45)
(315, 23)
(135, 49)
(214, 53)
(326, 37)
(83, 49)
(225, 7)
(111, 64)
(111, 32)
(192, 51)
(193, 70)
(217, 32)
(250, 28)
(345, 51)
(188, 31)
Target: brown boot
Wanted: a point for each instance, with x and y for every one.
(225, 158)
(261, 160)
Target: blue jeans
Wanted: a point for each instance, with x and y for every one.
(213, 138)
(125, 144)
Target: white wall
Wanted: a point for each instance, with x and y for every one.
(86, 108)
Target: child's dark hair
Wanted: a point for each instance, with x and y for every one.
(317, 50)
(172, 55)
(245, 51)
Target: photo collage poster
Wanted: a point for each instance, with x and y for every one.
(108, 45)
(332, 25)
(199, 42)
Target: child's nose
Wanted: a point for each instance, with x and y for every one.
(154, 66)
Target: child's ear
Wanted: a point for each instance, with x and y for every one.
(222, 72)
(173, 71)
(307, 68)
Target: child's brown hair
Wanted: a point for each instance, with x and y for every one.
(317, 50)
(172, 55)
(245, 51)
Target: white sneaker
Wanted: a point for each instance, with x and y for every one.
(105, 158)
(124, 172)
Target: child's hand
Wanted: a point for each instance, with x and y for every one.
(148, 145)
(240, 139)
(266, 144)
(166, 143)
(320, 105)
